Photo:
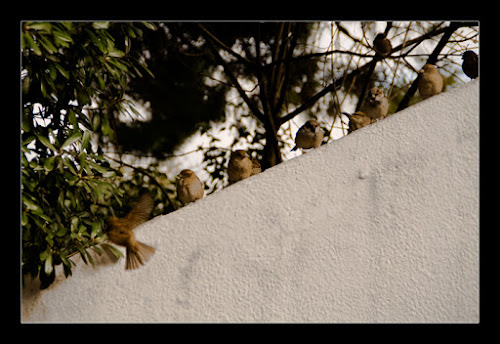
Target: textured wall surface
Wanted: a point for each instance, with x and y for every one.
(379, 226)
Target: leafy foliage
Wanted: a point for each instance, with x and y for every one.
(73, 74)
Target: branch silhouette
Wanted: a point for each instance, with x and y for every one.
(448, 31)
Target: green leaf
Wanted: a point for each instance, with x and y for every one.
(46, 142)
(72, 180)
(82, 97)
(120, 65)
(105, 127)
(100, 25)
(26, 84)
(48, 165)
(74, 223)
(67, 269)
(97, 250)
(27, 124)
(144, 65)
(48, 45)
(82, 254)
(61, 70)
(96, 226)
(69, 164)
(47, 27)
(52, 72)
(116, 53)
(49, 240)
(48, 265)
(96, 122)
(97, 167)
(31, 205)
(85, 139)
(45, 217)
(43, 88)
(31, 43)
(62, 36)
(72, 139)
(45, 255)
(24, 219)
(150, 26)
(111, 250)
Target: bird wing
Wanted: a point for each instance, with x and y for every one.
(141, 211)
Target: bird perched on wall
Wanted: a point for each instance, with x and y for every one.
(121, 232)
(469, 66)
(189, 187)
(256, 169)
(240, 166)
(357, 120)
(377, 104)
(309, 135)
(430, 82)
(382, 45)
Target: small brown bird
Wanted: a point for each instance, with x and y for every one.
(121, 232)
(378, 105)
(382, 45)
(240, 166)
(469, 66)
(430, 82)
(357, 120)
(189, 187)
(309, 135)
(256, 169)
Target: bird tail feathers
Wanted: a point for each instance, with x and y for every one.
(138, 255)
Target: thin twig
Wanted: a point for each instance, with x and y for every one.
(255, 110)
(221, 44)
(146, 173)
(431, 60)
(397, 63)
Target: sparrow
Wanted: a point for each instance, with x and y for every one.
(469, 66)
(377, 104)
(121, 232)
(255, 166)
(240, 166)
(382, 45)
(309, 136)
(189, 187)
(357, 120)
(430, 82)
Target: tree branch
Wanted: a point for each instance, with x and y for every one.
(146, 173)
(432, 33)
(308, 103)
(206, 33)
(284, 86)
(348, 34)
(333, 86)
(448, 31)
(371, 70)
(311, 101)
(255, 110)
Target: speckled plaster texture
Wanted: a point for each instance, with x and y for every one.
(379, 226)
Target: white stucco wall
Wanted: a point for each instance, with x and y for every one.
(379, 226)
